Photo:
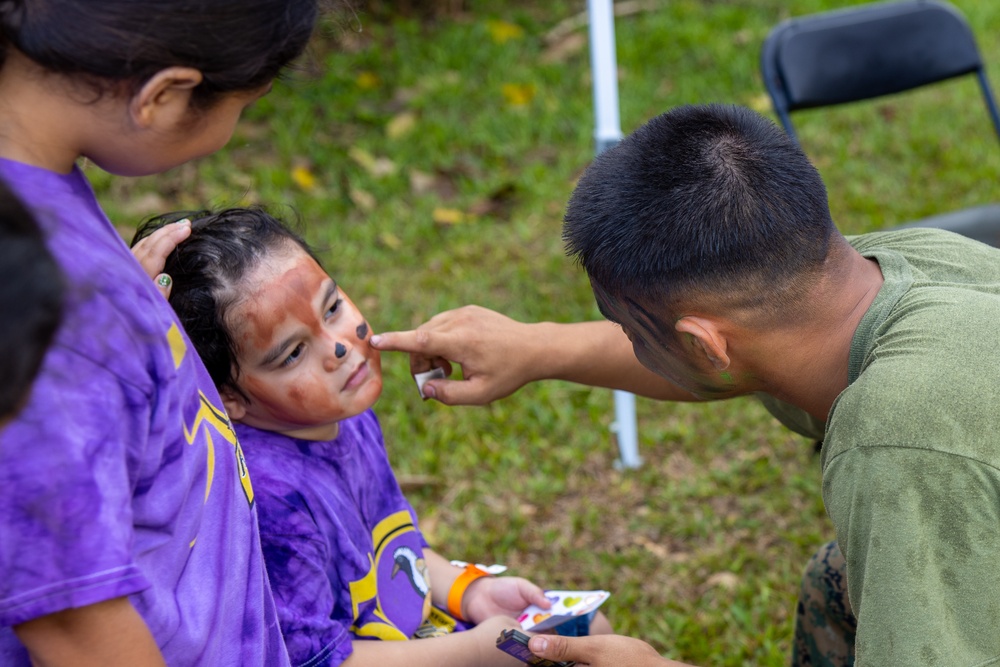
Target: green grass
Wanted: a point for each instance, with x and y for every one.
(407, 117)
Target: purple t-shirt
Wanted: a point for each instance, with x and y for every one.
(342, 546)
(122, 475)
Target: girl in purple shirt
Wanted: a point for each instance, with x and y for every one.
(128, 527)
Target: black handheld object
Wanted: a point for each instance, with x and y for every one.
(516, 644)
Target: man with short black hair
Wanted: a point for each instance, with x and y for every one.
(707, 237)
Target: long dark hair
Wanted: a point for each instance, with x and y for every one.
(237, 45)
(207, 270)
(31, 301)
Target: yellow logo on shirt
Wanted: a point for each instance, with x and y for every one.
(209, 415)
(177, 347)
(365, 590)
(213, 419)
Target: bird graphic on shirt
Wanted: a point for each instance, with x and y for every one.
(406, 560)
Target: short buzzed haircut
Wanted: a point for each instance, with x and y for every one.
(702, 200)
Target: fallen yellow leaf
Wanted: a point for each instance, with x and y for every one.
(502, 31)
(401, 125)
(392, 242)
(518, 94)
(362, 199)
(367, 80)
(377, 167)
(448, 216)
(303, 177)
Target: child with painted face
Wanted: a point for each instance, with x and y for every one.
(129, 532)
(290, 354)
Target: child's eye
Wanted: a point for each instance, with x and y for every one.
(295, 354)
(333, 309)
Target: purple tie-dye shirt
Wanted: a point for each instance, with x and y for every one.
(343, 550)
(122, 475)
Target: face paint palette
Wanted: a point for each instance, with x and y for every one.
(422, 378)
(566, 605)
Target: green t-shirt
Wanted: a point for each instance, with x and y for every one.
(911, 455)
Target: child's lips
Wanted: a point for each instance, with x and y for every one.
(359, 375)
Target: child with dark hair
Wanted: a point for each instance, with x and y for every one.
(129, 532)
(31, 294)
(289, 352)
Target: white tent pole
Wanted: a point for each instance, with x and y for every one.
(604, 69)
(607, 132)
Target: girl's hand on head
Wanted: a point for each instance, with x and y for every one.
(500, 596)
(152, 251)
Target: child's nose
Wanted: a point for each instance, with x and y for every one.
(335, 353)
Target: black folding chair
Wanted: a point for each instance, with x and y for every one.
(873, 50)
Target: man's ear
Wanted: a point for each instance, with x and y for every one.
(164, 99)
(705, 336)
(236, 405)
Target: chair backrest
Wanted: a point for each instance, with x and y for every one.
(868, 51)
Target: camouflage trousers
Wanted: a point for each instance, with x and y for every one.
(824, 623)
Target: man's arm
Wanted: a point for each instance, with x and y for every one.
(106, 634)
(499, 355)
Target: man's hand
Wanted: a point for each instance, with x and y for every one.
(492, 349)
(599, 651)
(499, 355)
(152, 252)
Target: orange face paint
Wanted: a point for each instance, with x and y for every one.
(303, 364)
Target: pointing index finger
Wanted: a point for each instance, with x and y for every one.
(414, 341)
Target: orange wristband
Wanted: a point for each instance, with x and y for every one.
(458, 587)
